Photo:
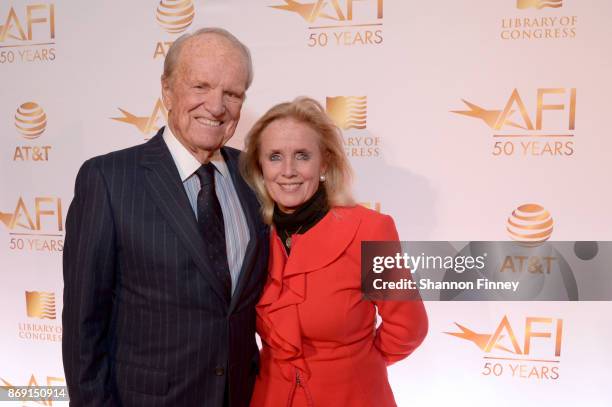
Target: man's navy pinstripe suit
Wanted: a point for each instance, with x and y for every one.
(146, 321)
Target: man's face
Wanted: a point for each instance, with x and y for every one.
(204, 94)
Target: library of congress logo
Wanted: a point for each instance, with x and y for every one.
(350, 114)
(538, 20)
(40, 304)
(538, 4)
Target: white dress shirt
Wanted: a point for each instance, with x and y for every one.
(236, 227)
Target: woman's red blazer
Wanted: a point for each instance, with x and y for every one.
(321, 346)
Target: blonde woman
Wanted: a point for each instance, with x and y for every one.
(320, 343)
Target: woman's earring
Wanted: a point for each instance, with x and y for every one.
(322, 178)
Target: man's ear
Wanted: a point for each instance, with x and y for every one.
(166, 92)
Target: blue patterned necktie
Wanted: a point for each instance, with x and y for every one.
(212, 228)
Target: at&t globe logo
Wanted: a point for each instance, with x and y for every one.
(174, 16)
(31, 123)
(30, 120)
(530, 224)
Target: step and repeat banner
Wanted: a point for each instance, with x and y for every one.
(460, 119)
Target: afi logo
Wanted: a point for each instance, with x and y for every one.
(49, 208)
(488, 343)
(330, 9)
(146, 124)
(498, 119)
(22, 29)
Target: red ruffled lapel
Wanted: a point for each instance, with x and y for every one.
(286, 285)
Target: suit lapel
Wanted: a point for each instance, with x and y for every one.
(250, 209)
(163, 182)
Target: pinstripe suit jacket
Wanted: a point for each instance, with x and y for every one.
(146, 321)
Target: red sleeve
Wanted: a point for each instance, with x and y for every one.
(404, 323)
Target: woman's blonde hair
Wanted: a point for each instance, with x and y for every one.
(338, 173)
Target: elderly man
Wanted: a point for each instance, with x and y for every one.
(165, 252)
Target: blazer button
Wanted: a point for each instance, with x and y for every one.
(219, 371)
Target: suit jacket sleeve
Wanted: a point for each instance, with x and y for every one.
(404, 323)
(89, 275)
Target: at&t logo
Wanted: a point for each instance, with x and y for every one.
(174, 17)
(31, 122)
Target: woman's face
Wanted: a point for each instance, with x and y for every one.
(291, 162)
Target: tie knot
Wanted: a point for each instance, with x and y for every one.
(206, 174)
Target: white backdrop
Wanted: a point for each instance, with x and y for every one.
(444, 136)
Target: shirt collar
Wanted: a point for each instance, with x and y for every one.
(186, 163)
